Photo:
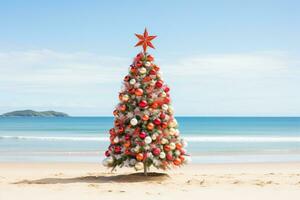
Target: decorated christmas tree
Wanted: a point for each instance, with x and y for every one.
(145, 132)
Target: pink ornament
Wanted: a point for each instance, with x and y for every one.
(117, 149)
(143, 104)
(107, 153)
(169, 156)
(156, 151)
(142, 135)
(157, 121)
(159, 84)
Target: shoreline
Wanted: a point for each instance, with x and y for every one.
(82, 181)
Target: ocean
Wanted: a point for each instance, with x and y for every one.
(211, 139)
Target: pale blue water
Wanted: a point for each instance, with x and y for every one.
(211, 139)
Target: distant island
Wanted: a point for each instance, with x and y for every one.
(32, 113)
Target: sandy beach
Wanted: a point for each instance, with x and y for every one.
(195, 181)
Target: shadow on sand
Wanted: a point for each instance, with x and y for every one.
(126, 178)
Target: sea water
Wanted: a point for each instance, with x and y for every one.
(210, 139)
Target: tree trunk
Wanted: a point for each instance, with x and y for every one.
(145, 169)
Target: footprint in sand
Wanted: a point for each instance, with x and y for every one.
(195, 181)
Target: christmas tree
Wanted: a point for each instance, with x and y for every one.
(145, 132)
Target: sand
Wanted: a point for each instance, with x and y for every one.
(78, 181)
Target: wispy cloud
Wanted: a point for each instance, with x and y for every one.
(260, 83)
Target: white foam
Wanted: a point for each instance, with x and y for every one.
(188, 138)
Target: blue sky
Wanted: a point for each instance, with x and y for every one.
(219, 57)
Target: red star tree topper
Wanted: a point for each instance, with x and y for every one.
(145, 131)
(145, 40)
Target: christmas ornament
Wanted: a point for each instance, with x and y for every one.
(139, 166)
(132, 81)
(133, 121)
(156, 151)
(148, 140)
(139, 156)
(143, 104)
(142, 135)
(142, 70)
(145, 40)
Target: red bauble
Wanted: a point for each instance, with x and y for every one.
(117, 149)
(181, 158)
(166, 89)
(167, 100)
(177, 161)
(162, 115)
(107, 153)
(157, 121)
(152, 72)
(167, 147)
(156, 151)
(178, 146)
(150, 58)
(156, 68)
(164, 124)
(139, 64)
(143, 104)
(142, 135)
(126, 78)
(122, 107)
(139, 92)
(127, 137)
(112, 131)
(154, 105)
(169, 156)
(159, 83)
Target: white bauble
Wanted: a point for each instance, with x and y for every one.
(116, 140)
(163, 94)
(172, 146)
(172, 131)
(177, 132)
(125, 97)
(132, 162)
(162, 155)
(167, 117)
(153, 137)
(165, 107)
(132, 81)
(133, 121)
(173, 123)
(137, 149)
(104, 162)
(171, 110)
(147, 64)
(177, 153)
(139, 166)
(142, 70)
(152, 82)
(148, 140)
(164, 141)
(147, 147)
(108, 161)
